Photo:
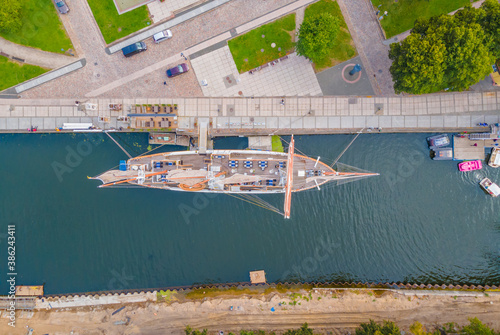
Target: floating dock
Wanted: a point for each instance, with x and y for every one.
(260, 142)
(466, 149)
(28, 291)
(258, 277)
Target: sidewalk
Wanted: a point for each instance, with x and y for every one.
(45, 59)
(235, 116)
(368, 39)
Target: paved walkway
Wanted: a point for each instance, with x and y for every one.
(266, 115)
(193, 49)
(188, 15)
(368, 38)
(34, 56)
(293, 76)
(403, 35)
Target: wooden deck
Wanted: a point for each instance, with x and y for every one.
(26, 291)
(466, 149)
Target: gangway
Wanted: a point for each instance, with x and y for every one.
(289, 179)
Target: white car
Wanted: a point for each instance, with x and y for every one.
(162, 36)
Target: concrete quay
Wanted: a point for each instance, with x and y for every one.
(226, 115)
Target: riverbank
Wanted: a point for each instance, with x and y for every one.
(325, 310)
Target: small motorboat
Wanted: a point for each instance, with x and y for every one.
(470, 165)
(442, 154)
(438, 141)
(494, 158)
(490, 187)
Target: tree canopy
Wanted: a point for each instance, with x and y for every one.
(373, 328)
(317, 35)
(445, 51)
(10, 15)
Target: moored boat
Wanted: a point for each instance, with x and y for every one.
(494, 158)
(229, 171)
(470, 165)
(490, 187)
(438, 141)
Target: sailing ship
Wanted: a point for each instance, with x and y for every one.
(237, 172)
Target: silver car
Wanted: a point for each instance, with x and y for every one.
(162, 36)
(61, 6)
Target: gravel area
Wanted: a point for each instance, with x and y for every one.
(102, 69)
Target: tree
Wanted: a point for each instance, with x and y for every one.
(10, 15)
(317, 35)
(304, 330)
(476, 327)
(373, 328)
(442, 52)
(491, 24)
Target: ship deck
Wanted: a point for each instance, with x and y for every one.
(248, 170)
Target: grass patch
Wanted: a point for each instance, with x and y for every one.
(41, 28)
(277, 145)
(14, 73)
(216, 292)
(401, 15)
(114, 26)
(166, 296)
(246, 49)
(344, 46)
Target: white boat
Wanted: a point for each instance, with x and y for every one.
(490, 187)
(494, 158)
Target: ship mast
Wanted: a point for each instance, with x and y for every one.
(289, 179)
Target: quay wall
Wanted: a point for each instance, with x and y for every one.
(340, 285)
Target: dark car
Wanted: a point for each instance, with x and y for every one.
(61, 6)
(134, 49)
(179, 69)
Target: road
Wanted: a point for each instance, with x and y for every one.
(336, 312)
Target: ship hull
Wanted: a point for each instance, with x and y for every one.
(220, 171)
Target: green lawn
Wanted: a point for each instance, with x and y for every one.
(401, 15)
(13, 73)
(246, 49)
(277, 145)
(41, 28)
(114, 26)
(344, 46)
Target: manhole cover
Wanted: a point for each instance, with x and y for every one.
(379, 71)
(95, 63)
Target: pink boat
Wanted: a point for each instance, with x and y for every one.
(470, 165)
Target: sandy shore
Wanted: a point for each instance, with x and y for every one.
(336, 311)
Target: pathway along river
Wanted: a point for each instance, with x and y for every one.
(420, 221)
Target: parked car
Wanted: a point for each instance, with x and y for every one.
(179, 69)
(162, 36)
(61, 6)
(134, 49)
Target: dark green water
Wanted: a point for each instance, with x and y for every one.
(421, 221)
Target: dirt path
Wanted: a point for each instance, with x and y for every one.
(336, 312)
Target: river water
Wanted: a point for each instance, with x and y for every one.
(420, 221)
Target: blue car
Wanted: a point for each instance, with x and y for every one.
(179, 69)
(61, 6)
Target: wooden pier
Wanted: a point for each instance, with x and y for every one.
(467, 149)
(28, 291)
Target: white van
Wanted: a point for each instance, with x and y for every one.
(162, 36)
